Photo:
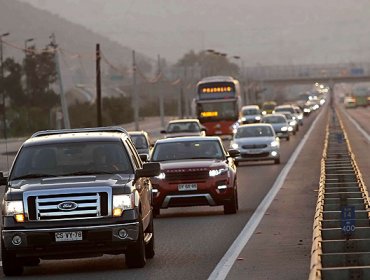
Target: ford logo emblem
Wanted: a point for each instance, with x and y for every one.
(67, 206)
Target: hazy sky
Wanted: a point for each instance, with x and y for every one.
(260, 31)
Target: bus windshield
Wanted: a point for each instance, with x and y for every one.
(226, 110)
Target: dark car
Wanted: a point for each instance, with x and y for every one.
(280, 124)
(77, 193)
(141, 142)
(194, 171)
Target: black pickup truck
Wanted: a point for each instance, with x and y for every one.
(77, 193)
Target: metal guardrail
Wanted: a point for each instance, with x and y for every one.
(341, 229)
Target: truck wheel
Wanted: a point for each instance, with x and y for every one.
(31, 261)
(12, 266)
(149, 247)
(288, 138)
(135, 254)
(231, 207)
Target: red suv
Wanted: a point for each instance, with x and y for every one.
(194, 171)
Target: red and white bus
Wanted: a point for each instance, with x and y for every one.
(217, 104)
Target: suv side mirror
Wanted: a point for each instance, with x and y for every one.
(3, 179)
(163, 131)
(150, 169)
(233, 153)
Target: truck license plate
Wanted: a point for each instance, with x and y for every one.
(68, 236)
(187, 187)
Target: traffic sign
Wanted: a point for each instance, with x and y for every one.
(348, 219)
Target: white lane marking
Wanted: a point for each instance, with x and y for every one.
(223, 267)
(364, 133)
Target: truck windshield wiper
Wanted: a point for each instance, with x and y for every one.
(33, 175)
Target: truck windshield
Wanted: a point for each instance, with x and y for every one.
(67, 159)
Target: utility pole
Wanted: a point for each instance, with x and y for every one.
(59, 75)
(134, 93)
(2, 82)
(161, 97)
(98, 87)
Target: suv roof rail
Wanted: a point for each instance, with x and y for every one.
(78, 130)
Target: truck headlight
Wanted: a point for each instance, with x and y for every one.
(216, 172)
(15, 208)
(122, 202)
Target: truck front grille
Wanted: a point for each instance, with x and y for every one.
(72, 205)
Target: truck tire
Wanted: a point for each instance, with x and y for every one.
(135, 254)
(149, 247)
(12, 266)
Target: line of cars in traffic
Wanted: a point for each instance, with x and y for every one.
(258, 132)
(94, 191)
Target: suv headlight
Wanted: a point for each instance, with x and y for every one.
(161, 176)
(216, 172)
(122, 202)
(15, 208)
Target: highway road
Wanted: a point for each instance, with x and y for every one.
(190, 242)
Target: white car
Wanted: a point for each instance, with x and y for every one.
(256, 142)
(184, 127)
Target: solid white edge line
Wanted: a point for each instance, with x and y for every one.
(364, 133)
(223, 267)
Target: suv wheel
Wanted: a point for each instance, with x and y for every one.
(12, 266)
(156, 211)
(231, 207)
(149, 247)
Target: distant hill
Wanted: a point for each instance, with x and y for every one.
(24, 21)
(262, 32)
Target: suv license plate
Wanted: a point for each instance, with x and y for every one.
(187, 187)
(68, 236)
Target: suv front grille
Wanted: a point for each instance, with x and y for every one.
(197, 175)
(71, 205)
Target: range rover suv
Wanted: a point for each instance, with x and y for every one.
(77, 193)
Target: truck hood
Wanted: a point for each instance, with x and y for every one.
(18, 187)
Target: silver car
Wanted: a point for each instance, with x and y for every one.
(256, 142)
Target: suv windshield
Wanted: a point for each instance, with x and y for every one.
(187, 150)
(66, 159)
